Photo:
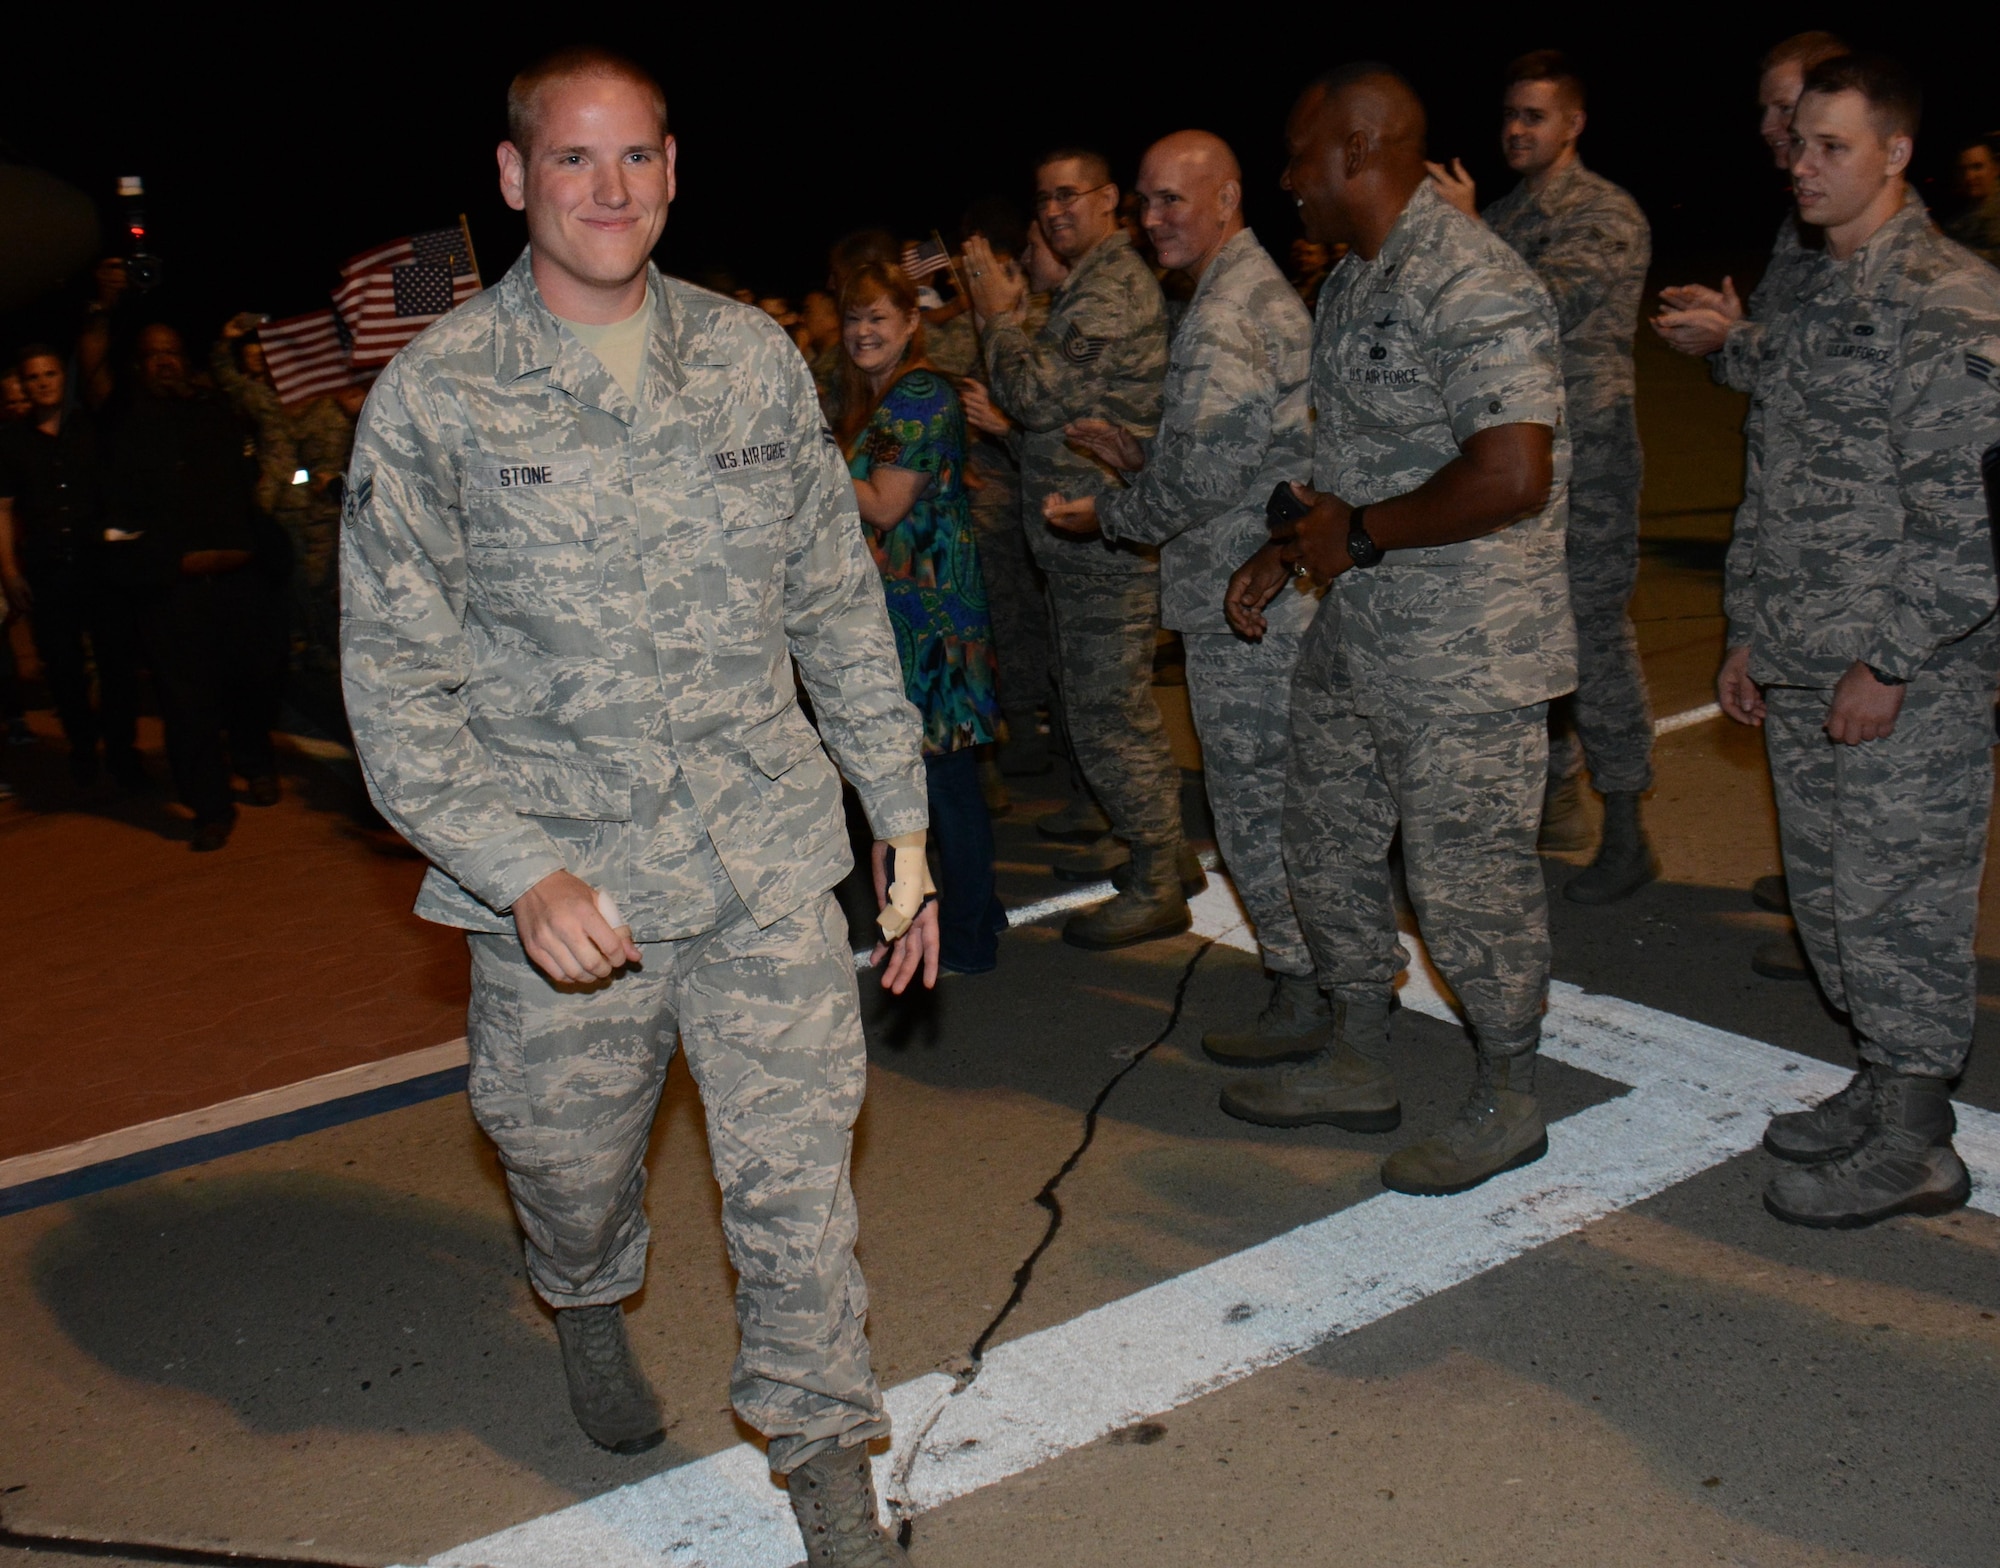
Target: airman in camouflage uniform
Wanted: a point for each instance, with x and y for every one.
(1233, 425)
(570, 623)
(1863, 553)
(1101, 354)
(1421, 700)
(1590, 245)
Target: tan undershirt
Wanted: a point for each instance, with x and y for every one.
(619, 346)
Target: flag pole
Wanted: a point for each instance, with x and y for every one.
(471, 255)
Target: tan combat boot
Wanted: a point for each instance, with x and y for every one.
(1149, 905)
(608, 1394)
(1498, 1128)
(1565, 824)
(1291, 1028)
(1108, 857)
(1346, 1082)
(833, 1498)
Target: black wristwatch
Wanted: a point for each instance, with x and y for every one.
(1886, 680)
(1362, 550)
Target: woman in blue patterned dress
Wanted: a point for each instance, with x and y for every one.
(904, 435)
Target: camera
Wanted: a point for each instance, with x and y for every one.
(142, 267)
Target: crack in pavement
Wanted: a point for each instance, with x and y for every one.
(1046, 1198)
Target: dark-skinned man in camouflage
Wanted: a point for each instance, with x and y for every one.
(594, 523)
(1440, 461)
(1232, 427)
(1861, 596)
(1589, 244)
(1100, 354)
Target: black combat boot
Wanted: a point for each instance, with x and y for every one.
(1625, 861)
(833, 1498)
(1289, 1029)
(608, 1394)
(1904, 1163)
(1831, 1128)
(1346, 1082)
(1080, 822)
(1498, 1128)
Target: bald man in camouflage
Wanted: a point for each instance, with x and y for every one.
(1233, 425)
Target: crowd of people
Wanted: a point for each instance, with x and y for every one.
(164, 518)
(608, 537)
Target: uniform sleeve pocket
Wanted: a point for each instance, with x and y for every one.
(780, 743)
(581, 791)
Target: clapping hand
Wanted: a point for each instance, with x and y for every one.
(995, 288)
(1696, 320)
(1108, 443)
(1077, 517)
(980, 412)
(1455, 186)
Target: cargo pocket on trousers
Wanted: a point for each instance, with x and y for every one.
(496, 1083)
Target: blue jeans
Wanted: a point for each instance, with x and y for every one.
(970, 918)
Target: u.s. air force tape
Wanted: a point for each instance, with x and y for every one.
(528, 472)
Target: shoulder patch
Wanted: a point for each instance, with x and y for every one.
(1079, 348)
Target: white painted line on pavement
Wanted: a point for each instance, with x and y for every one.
(24, 1168)
(1697, 1096)
(1681, 721)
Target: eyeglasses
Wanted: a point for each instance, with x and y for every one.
(1065, 198)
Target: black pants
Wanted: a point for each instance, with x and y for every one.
(218, 650)
(78, 621)
(970, 918)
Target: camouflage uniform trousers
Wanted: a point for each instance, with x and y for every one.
(1241, 694)
(1015, 600)
(1105, 627)
(1608, 722)
(1466, 790)
(1884, 846)
(566, 1081)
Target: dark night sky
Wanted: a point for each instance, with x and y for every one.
(269, 158)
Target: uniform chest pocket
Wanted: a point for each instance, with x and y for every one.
(1384, 380)
(753, 500)
(529, 501)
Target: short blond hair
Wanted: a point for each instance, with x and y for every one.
(578, 61)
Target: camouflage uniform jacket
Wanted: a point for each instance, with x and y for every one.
(325, 438)
(1734, 365)
(1232, 426)
(1443, 334)
(1865, 535)
(258, 407)
(1101, 354)
(1978, 229)
(1589, 244)
(569, 625)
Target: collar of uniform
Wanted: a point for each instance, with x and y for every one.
(1422, 219)
(1234, 249)
(529, 338)
(1867, 264)
(1092, 259)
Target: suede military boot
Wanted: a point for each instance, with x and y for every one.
(1781, 958)
(1772, 893)
(1080, 822)
(1107, 857)
(1625, 861)
(833, 1498)
(1025, 751)
(1289, 1029)
(1345, 1083)
(1149, 904)
(1904, 1164)
(1565, 824)
(1831, 1128)
(1498, 1128)
(608, 1394)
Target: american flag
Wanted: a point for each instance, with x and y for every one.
(307, 356)
(391, 293)
(920, 260)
